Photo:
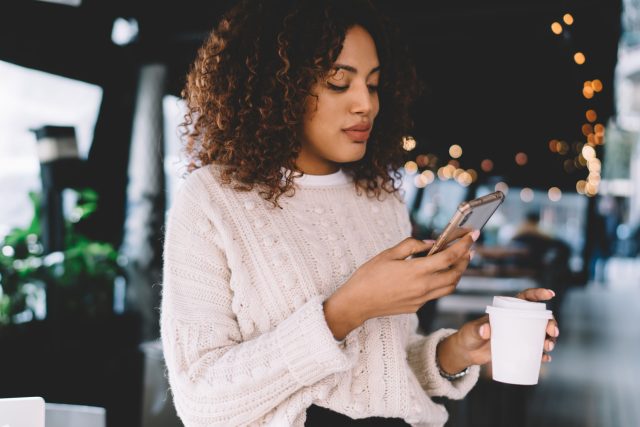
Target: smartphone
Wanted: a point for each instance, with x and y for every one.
(472, 214)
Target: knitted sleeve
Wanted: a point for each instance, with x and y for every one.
(421, 354)
(216, 378)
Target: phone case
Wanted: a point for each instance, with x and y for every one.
(465, 212)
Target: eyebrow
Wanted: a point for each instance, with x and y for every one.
(351, 69)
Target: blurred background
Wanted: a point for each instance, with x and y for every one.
(539, 99)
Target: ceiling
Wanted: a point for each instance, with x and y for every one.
(499, 81)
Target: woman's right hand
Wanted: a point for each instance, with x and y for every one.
(389, 283)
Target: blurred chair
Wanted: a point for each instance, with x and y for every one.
(60, 415)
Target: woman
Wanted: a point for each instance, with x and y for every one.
(289, 291)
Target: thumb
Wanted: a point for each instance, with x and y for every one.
(484, 331)
(408, 247)
(477, 332)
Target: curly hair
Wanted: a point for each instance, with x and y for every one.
(245, 92)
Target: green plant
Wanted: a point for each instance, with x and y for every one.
(82, 275)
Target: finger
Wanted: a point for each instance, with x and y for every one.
(536, 294)
(552, 328)
(481, 328)
(546, 358)
(450, 255)
(549, 345)
(456, 234)
(408, 247)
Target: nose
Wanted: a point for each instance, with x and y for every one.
(362, 101)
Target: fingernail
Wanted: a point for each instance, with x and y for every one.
(472, 253)
(481, 331)
(556, 331)
(552, 293)
(551, 345)
(429, 241)
(475, 235)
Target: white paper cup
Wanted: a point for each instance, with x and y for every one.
(517, 339)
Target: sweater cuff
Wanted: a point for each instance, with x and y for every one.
(435, 384)
(308, 347)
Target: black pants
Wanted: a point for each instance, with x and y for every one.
(322, 417)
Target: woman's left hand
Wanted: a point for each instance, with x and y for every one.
(470, 345)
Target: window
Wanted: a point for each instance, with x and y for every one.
(30, 99)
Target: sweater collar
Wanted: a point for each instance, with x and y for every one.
(307, 180)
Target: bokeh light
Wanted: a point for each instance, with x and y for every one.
(408, 143)
(568, 19)
(526, 195)
(555, 194)
(521, 159)
(455, 151)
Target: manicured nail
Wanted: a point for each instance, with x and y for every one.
(475, 235)
(556, 332)
(481, 330)
(429, 241)
(472, 253)
(551, 345)
(552, 293)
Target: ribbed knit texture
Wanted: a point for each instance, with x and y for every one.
(243, 330)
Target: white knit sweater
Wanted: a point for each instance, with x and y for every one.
(243, 330)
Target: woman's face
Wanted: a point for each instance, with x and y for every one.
(339, 121)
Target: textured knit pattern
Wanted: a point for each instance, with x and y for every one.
(243, 330)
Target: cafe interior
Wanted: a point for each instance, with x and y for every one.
(537, 99)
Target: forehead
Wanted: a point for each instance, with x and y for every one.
(358, 50)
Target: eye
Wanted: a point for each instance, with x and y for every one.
(373, 88)
(337, 88)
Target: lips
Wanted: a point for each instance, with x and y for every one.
(359, 132)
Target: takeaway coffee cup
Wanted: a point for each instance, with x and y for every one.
(518, 330)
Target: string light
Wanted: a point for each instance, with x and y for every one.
(579, 58)
(428, 176)
(587, 129)
(591, 116)
(455, 151)
(526, 195)
(563, 148)
(587, 92)
(420, 181)
(596, 85)
(588, 152)
(521, 159)
(554, 194)
(556, 28)
(411, 167)
(486, 165)
(473, 174)
(581, 186)
(598, 129)
(502, 186)
(408, 143)
(568, 19)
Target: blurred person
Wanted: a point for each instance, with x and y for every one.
(290, 287)
(545, 255)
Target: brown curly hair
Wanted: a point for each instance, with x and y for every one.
(245, 92)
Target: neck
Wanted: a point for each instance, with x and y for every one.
(310, 167)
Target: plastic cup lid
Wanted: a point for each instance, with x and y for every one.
(517, 303)
(519, 308)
